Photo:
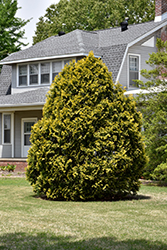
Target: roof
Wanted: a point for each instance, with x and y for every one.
(109, 44)
(81, 42)
(35, 97)
(75, 42)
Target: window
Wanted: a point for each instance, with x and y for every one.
(133, 70)
(7, 128)
(56, 68)
(23, 75)
(45, 73)
(33, 74)
(39, 73)
(27, 132)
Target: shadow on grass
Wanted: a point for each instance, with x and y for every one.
(128, 197)
(23, 241)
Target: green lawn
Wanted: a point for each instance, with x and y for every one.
(27, 222)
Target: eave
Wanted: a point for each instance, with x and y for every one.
(21, 107)
(44, 58)
(136, 41)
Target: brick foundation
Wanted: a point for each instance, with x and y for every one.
(20, 164)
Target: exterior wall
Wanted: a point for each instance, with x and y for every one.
(144, 52)
(164, 33)
(0, 128)
(17, 127)
(5, 150)
(16, 89)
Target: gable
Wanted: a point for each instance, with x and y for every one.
(149, 43)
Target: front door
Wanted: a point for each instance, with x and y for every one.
(26, 132)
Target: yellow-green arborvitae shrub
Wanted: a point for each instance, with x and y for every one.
(88, 145)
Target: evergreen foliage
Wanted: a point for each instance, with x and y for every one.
(68, 15)
(153, 105)
(10, 28)
(88, 145)
(160, 173)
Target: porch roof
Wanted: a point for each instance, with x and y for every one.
(31, 98)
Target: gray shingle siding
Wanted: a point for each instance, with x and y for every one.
(5, 80)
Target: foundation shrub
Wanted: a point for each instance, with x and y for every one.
(160, 173)
(88, 145)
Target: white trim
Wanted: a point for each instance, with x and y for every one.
(22, 104)
(22, 129)
(39, 72)
(45, 58)
(136, 41)
(123, 60)
(9, 108)
(149, 43)
(147, 34)
(11, 131)
(132, 54)
(3, 114)
(161, 17)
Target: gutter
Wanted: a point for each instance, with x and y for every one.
(44, 58)
(21, 106)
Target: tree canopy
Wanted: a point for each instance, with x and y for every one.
(153, 104)
(90, 15)
(10, 28)
(88, 145)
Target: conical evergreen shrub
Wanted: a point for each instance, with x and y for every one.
(88, 145)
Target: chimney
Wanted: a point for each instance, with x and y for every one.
(160, 10)
(61, 33)
(124, 24)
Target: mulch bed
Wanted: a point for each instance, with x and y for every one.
(153, 183)
(4, 173)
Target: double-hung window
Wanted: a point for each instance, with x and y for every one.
(33, 74)
(39, 73)
(56, 68)
(133, 70)
(7, 128)
(45, 73)
(22, 75)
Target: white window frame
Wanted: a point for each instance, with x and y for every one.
(11, 131)
(28, 76)
(39, 72)
(135, 55)
(34, 119)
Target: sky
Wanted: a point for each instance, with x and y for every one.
(32, 9)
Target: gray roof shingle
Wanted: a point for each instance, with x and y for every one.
(110, 44)
(5, 80)
(36, 97)
(79, 41)
(74, 42)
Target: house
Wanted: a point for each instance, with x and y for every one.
(26, 75)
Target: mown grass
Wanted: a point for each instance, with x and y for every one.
(27, 222)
